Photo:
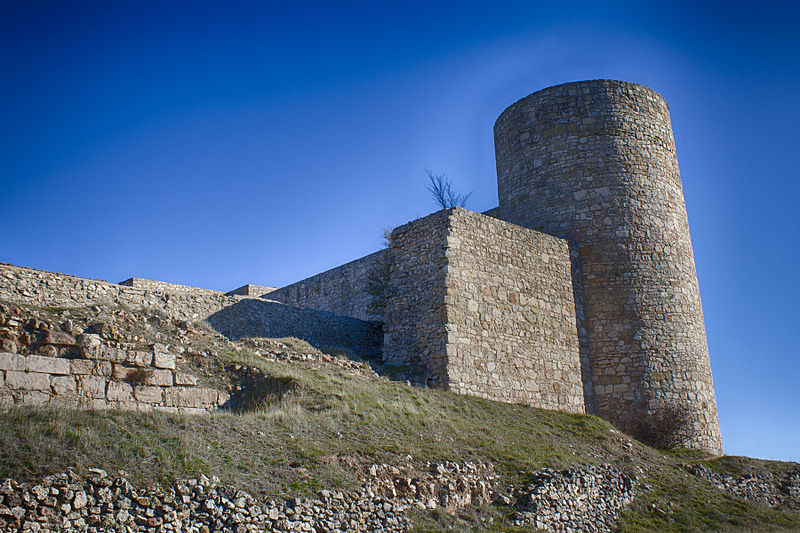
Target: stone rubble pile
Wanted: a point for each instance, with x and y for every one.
(274, 350)
(586, 499)
(762, 488)
(447, 485)
(65, 502)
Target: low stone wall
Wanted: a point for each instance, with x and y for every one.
(342, 290)
(50, 289)
(251, 290)
(233, 316)
(105, 379)
(153, 285)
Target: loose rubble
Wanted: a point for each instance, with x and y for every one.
(65, 502)
(762, 488)
(586, 499)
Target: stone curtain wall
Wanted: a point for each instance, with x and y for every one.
(105, 378)
(341, 290)
(154, 285)
(594, 162)
(49, 289)
(414, 319)
(485, 308)
(511, 321)
(233, 316)
(250, 290)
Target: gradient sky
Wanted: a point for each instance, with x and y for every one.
(218, 144)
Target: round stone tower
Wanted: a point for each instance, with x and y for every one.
(594, 162)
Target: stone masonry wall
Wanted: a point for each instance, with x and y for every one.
(485, 308)
(511, 320)
(105, 378)
(153, 285)
(49, 289)
(233, 316)
(414, 319)
(594, 162)
(341, 290)
(251, 290)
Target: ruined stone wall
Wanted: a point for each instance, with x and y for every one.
(233, 316)
(49, 289)
(163, 286)
(594, 162)
(103, 377)
(511, 319)
(251, 290)
(342, 290)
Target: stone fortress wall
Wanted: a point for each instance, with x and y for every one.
(486, 308)
(233, 316)
(152, 285)
(342, 290)
(592, 163)
(578, 292)
(595, 163)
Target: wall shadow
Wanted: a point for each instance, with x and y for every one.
(265, 318)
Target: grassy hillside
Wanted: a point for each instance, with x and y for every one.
(334, 423)
(318, 421)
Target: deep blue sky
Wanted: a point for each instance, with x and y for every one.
(217, 144)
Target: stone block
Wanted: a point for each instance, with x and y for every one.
(199, 397)
(35, 398)
(90, 345)
(11, 361)
(222, 398)
(81, 366)
(113, 355)
(93, 387)
(64, 385)
(58, 338)
(28, 381)
(47, 350)
(139, 358)
(48, 365)
(163, 359)
(159, 377)
(148, 394)
(125, 373)
(119, 392)
(7, 345)
(182, 378)
(103, 368)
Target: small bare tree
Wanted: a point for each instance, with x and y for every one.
(442, 191)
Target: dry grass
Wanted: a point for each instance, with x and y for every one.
(325, 431)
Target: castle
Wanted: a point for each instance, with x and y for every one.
(577, 293)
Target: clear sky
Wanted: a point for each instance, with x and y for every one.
(222, 143)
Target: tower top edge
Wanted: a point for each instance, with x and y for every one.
(585, 84)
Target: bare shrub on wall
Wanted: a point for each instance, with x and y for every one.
(666, 427)
(441, 189)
